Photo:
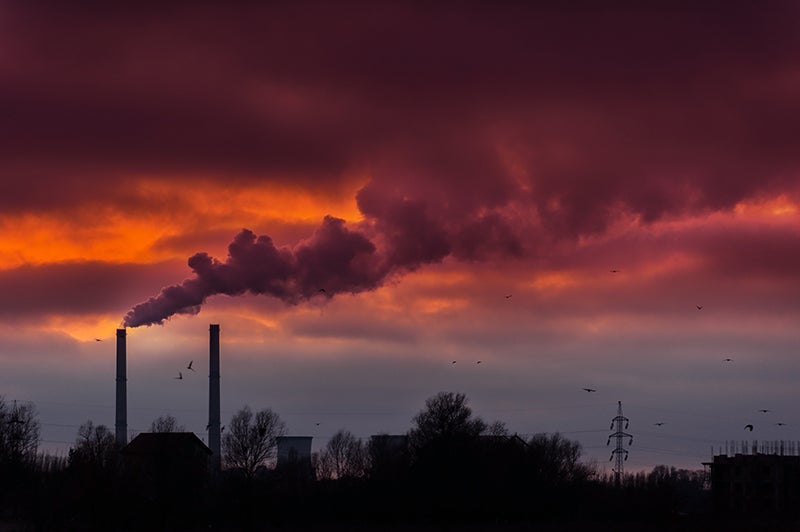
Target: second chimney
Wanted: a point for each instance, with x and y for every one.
(121, 425)
(214, 433)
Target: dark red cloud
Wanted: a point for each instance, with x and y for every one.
(609, 105)
(77, 288)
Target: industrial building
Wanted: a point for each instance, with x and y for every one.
(214, 424)
(160, 459)
(756, 482)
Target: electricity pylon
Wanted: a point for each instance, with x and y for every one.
(620, 453)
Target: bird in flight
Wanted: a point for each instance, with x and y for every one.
(765, 410)
(454, 362)
(658, 424)
(98, 339)
(590, 390)
(316, 424)
(190, 365)
(478, 362)
(727, 360)
(179, 377)
(322, 290)
(781, 424)
(508, 296)
(614, 271)
(748, 427)
(699, 307)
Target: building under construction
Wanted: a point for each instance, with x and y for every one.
(761, 479)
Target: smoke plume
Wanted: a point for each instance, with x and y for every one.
(399, 234)
(334, 260)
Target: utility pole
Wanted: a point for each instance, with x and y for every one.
(619, 454)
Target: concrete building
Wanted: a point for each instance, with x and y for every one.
(166, 470)
(294, 459)
(160, 453)
(755, 483)
(294, 449)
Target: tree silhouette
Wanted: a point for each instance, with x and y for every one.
(446, 417)
(250, 439)
(343, 456)
(19, 432)
(19, 441)
(166, 423)
(95, 446)
(93, 469)
(557, 459)
(445, 443)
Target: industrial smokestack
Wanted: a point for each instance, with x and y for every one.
(214, 433)
(122, 391)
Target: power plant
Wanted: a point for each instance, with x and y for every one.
(214, 425)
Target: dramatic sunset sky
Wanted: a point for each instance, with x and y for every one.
(386, 175)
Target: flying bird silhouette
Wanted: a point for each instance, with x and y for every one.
(781, 424)
(765, 410)
(727, 360)
(98, 340)
(478, 362)
(658, 424)
(699, 307)
(590, 390)
(322, 290)
(179, 377)
(190, 365)
(508, 296)
(454, 362)
(614, 271)
(748, 427)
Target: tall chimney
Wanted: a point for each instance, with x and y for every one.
(214, 435)
(122, 391)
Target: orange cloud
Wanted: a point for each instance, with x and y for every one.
(764, 209)
(162, 210)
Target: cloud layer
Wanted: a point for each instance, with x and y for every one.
(574, 113)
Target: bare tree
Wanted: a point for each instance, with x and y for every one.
(446, 416)
(250, 439)
(497, 429)
(95, 446)
(343, 456)
(557, 459)
(19, 432)
(166, 423)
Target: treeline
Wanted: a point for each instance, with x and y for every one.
(452, 468)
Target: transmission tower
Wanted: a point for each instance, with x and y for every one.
(619, 454)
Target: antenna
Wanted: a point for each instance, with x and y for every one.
(619, 454)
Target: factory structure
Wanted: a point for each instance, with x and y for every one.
(756, 478)
(148, 449)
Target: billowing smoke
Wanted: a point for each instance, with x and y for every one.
(334, 260)
(398, 235)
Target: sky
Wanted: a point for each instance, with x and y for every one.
(371, 197)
